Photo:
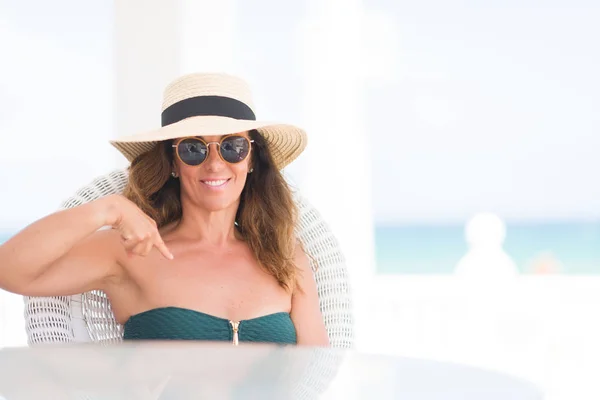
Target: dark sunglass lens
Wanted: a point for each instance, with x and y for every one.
(235, 149)
(192, 151)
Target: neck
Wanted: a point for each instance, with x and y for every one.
(213, 227)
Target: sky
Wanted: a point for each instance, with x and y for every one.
(465, 106)
(494, 109)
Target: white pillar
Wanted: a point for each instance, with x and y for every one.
(208, 36)
(157, 40)
(336, 173)
(154, 42)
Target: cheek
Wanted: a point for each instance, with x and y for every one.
(240, 170)
(180, 167)
(241, 177)
(186, 171)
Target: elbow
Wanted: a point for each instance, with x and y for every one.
(21, 286)
(323, 341)
(11, 278)
(314, 343)
(14, 284)
(314, 340)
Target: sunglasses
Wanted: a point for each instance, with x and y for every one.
(232, 149)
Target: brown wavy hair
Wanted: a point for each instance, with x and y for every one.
(266, 215)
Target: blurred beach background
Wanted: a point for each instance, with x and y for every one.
(569, 248)
(421, 117)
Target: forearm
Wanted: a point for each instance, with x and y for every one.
(25, 256)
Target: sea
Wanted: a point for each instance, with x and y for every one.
(563, 247)
(571, 248)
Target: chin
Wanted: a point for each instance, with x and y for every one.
(214, 201)
(214, 205)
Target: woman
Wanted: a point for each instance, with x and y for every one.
(202, 245)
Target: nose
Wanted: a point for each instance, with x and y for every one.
(213, 161)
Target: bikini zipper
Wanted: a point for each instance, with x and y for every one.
(235, 326)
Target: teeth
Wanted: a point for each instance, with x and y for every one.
(215, 183)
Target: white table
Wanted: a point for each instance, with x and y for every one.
(192, 370)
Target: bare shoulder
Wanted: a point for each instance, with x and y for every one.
(306, 279)
(102, 252)
(106, 247)
(302, 260)
(107, 240)
(110, 242)
(306, 313)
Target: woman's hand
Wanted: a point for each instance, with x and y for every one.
(67, 252)
(139, 232)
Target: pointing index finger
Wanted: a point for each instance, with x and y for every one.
(160, 245)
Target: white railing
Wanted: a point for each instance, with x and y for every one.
(545, 329)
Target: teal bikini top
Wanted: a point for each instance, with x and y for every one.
(176, 323)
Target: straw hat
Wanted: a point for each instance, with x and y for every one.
(213, 104)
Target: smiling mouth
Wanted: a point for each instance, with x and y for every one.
(215, 183)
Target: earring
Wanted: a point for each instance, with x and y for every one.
(251, 169)
(173, 174)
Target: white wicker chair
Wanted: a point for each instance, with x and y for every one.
(88, 317)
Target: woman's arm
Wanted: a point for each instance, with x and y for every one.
(306, 313)
(53, 243)
(65, 253)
